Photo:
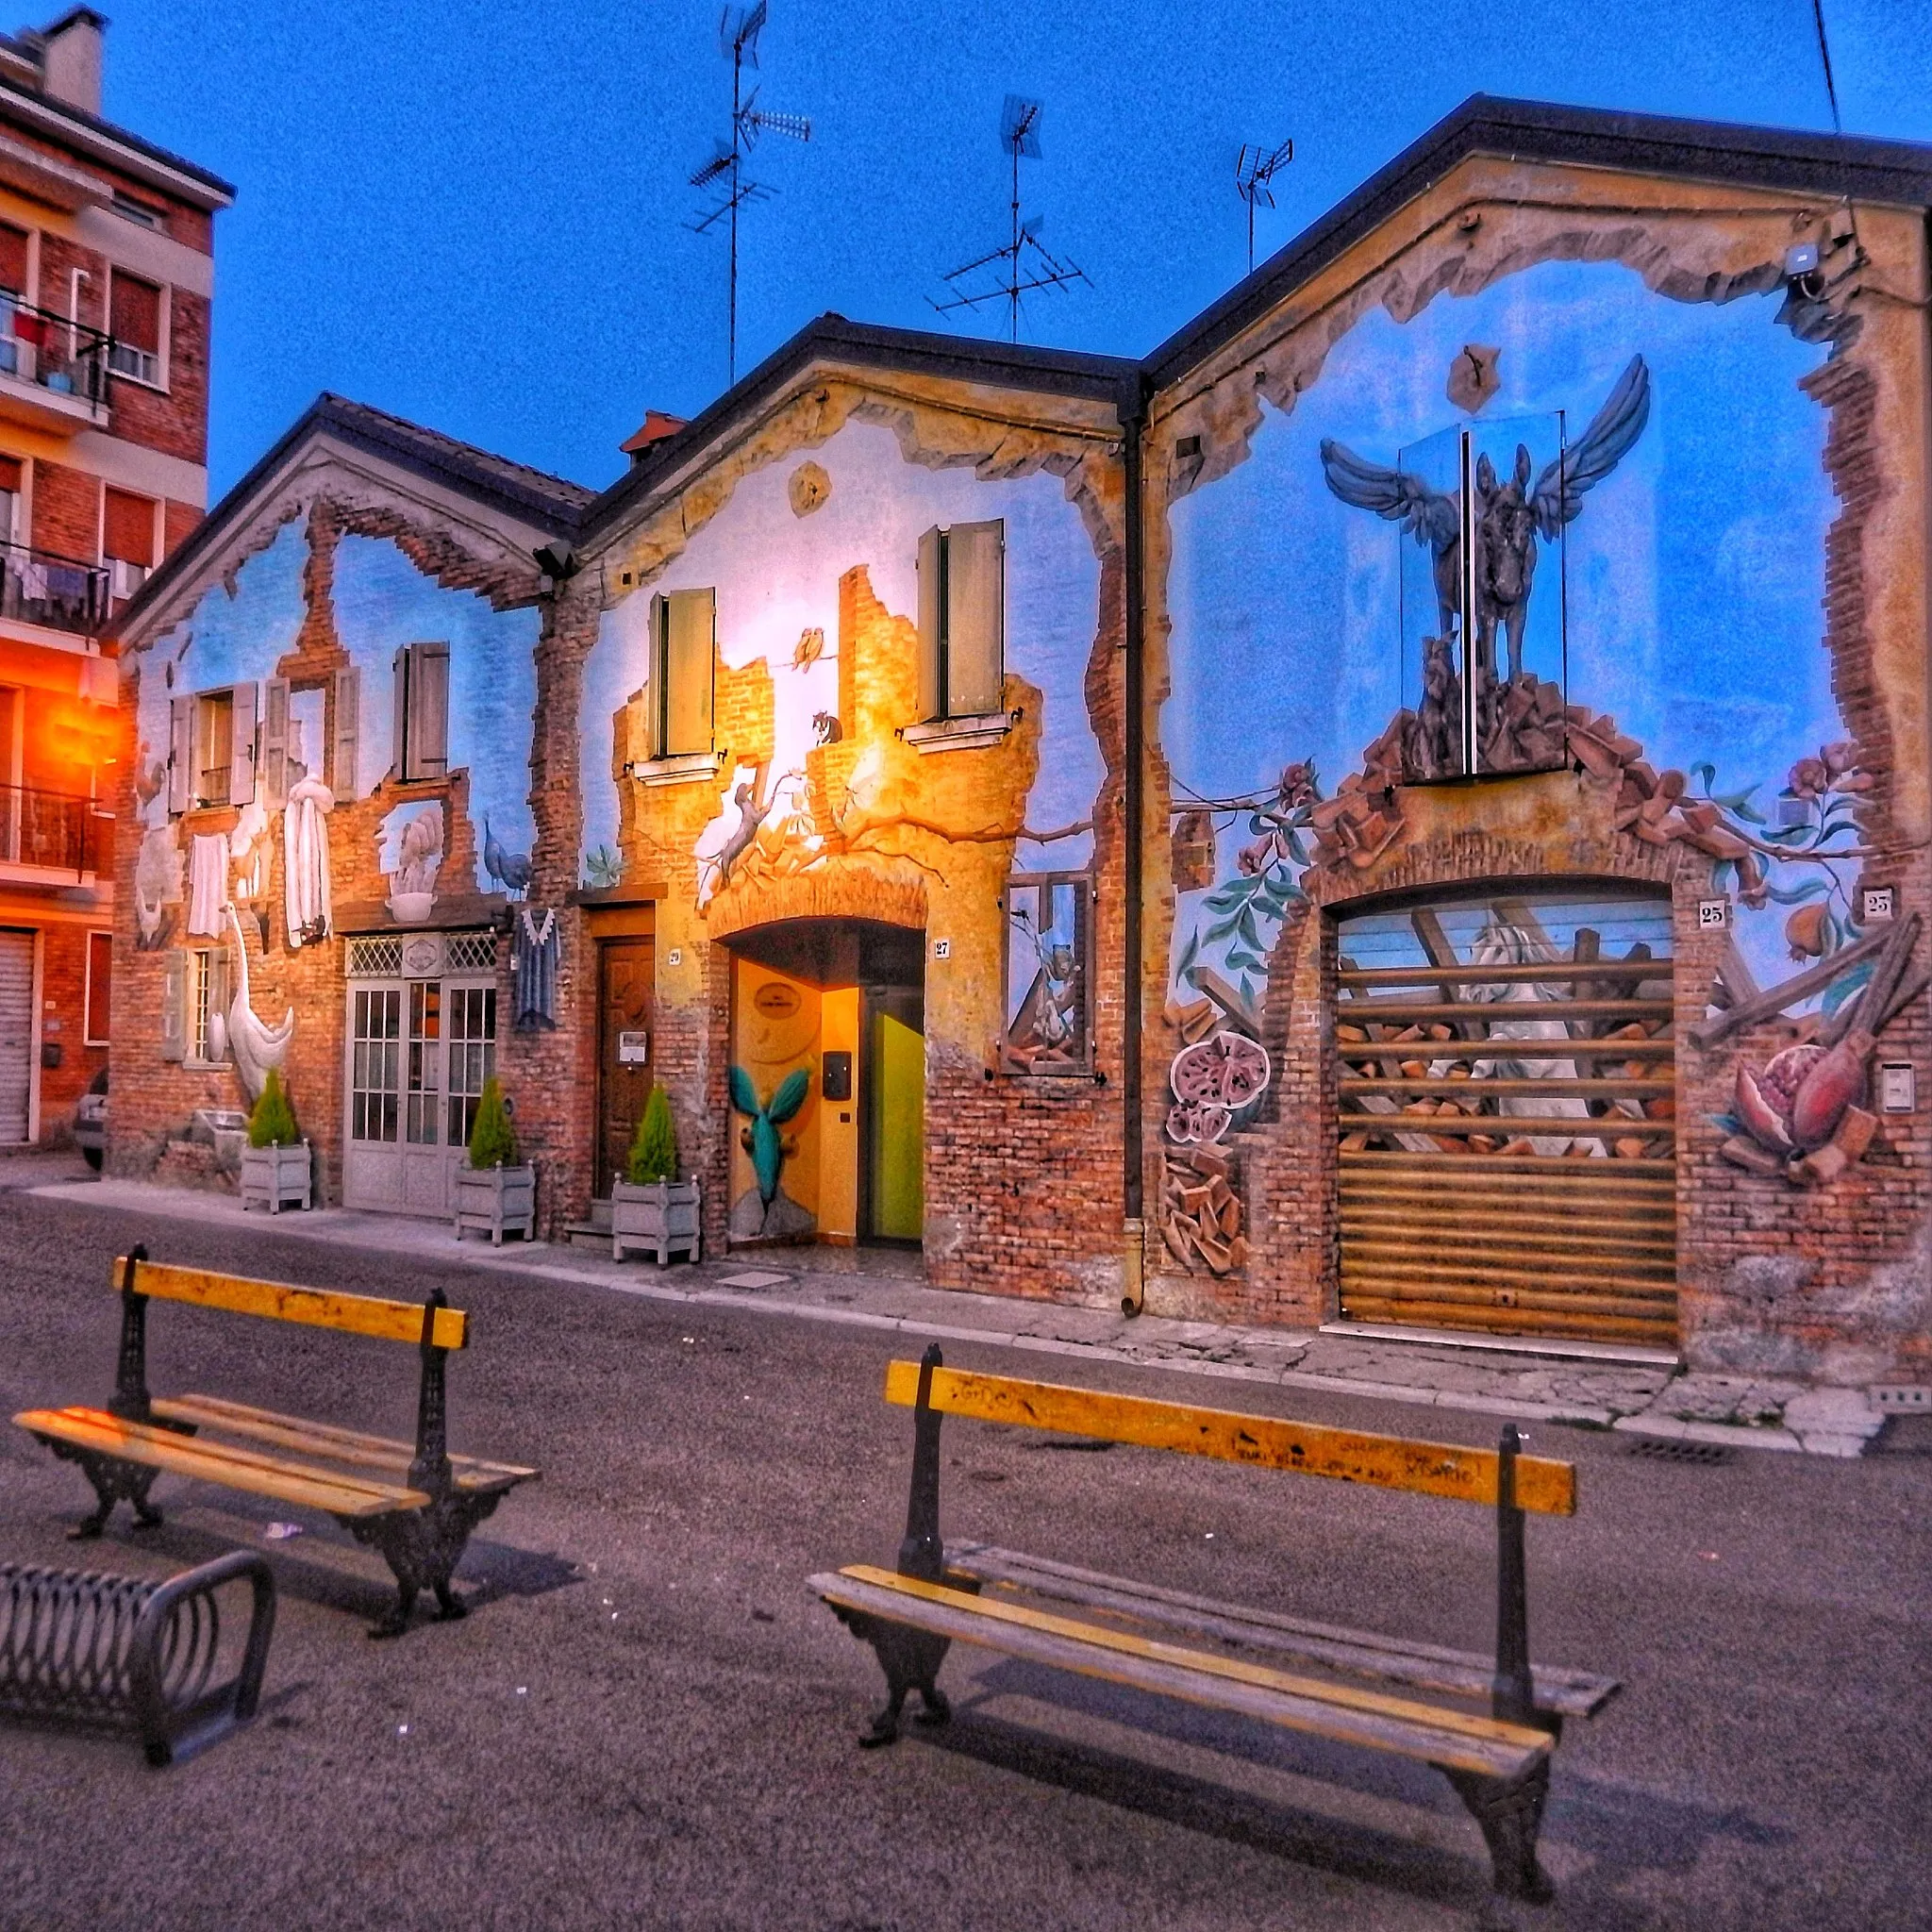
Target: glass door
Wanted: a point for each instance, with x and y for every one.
(371, 1172)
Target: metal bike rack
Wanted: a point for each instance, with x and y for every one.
(91, 1648)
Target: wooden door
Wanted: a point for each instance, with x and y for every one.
(895, 1126)
(1506, 1132)
(627, 986)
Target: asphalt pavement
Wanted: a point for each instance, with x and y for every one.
(647, 1721)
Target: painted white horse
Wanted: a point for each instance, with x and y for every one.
(1500, 944)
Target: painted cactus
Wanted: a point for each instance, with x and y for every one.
(767, 1149)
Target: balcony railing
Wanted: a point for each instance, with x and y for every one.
(55, 831)
(40, 587)
(64, 356)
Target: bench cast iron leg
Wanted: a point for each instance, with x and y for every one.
(911, 1660)
(1510, 1813)
(422, 1548)
(113, 1481)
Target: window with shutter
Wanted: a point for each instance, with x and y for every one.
(422, 719)
(272, 767)
(214, 746)
(127, 529)
(174, 1006)
(134, 320)
(962, 621)
(12, 471)
(242, 756)
(180, 753)
(685, 627)
(345, 757)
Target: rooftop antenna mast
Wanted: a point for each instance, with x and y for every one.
(1255, 169)
(1023, 265)
(738, 39)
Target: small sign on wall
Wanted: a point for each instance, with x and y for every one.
(674, 956)
(1878, 904)
(1897, 1087)
(1713, 915)
(942, 949)
(633, 1049)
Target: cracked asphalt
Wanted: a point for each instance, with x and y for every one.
(647, 1721)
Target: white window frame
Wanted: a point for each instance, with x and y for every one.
(161, 356)
(208, 968)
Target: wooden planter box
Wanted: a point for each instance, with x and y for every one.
(661, 1219)
(497, 1200)
(278, 1178)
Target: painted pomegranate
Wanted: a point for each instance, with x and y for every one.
(1796, 1102)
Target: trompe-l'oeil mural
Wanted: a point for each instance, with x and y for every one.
(269, 733)
(1638, 603)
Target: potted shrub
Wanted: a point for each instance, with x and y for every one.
(276, 1168)
(651, 1208)
(495, 1192)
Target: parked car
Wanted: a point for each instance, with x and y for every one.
(91, 1119)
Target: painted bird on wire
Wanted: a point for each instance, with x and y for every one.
(510, 869)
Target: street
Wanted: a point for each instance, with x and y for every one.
(648, 1720)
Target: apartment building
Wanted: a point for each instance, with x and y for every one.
(107, 272)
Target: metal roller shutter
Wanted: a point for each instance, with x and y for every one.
(16, 1034)
(1506, 1117)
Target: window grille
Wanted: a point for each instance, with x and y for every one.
(376, 958)
(470, 952)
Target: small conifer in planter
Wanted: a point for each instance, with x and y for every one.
(495, 1192)
(651, 1208)
(276, 1168)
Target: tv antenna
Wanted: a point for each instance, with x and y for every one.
(723, 173)
(1023, 264)
(1254, 174)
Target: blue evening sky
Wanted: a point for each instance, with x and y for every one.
(470, 212)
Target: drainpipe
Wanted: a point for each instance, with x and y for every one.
(1133, 415)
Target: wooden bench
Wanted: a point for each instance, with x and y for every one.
(413, 1503)
(1489, 1723)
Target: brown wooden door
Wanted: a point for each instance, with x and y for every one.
(626, 978)
(1506, 1073)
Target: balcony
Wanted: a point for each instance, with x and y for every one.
(57, 592)
(53, 372)
(47, 836)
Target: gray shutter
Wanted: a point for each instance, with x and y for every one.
(691, 652)
(174, 1005)
(345, 762)
(272, 768)
(975, 628)
(426, 739)
(660, 632)
(241, 745)
(180, 753)
(931, 698)
(399, 718)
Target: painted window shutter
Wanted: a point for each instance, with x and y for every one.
(272, 768)
(399, 716)
(241, 752)
(426, 745)
(180, 753)
(976, 613)
(174, 1006)
(654, 694)
(345, 765)
(690, 651)
(931, 589)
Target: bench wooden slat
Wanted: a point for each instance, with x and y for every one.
(323, 1439)
(355, 1314)
(1449, 1739)
(235, 1469)
(1364, 1653)
(1390, 1462)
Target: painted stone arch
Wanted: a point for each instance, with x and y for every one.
(842, 894)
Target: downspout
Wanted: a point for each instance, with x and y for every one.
(1133, 415)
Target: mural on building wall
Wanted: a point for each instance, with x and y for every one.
(1680, 576)
(814, 566)
(266, 734)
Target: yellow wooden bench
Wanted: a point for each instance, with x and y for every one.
(1489, 1723)
(412, 1502)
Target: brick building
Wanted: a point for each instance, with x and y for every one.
(1409, 805)
(106, 271)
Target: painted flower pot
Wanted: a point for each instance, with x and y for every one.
(278, 1178)
(660, 1219)
(497, 1200)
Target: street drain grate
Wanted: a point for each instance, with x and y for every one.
(1670, 1449)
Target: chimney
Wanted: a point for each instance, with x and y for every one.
(71, 58)
(656, 426)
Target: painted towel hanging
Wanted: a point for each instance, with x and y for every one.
(534, 946)
(208, 882)
(305, 861)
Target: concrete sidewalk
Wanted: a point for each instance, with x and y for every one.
(880, 1291)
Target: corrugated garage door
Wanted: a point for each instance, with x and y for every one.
(1507, 1101)
(16, 1033)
